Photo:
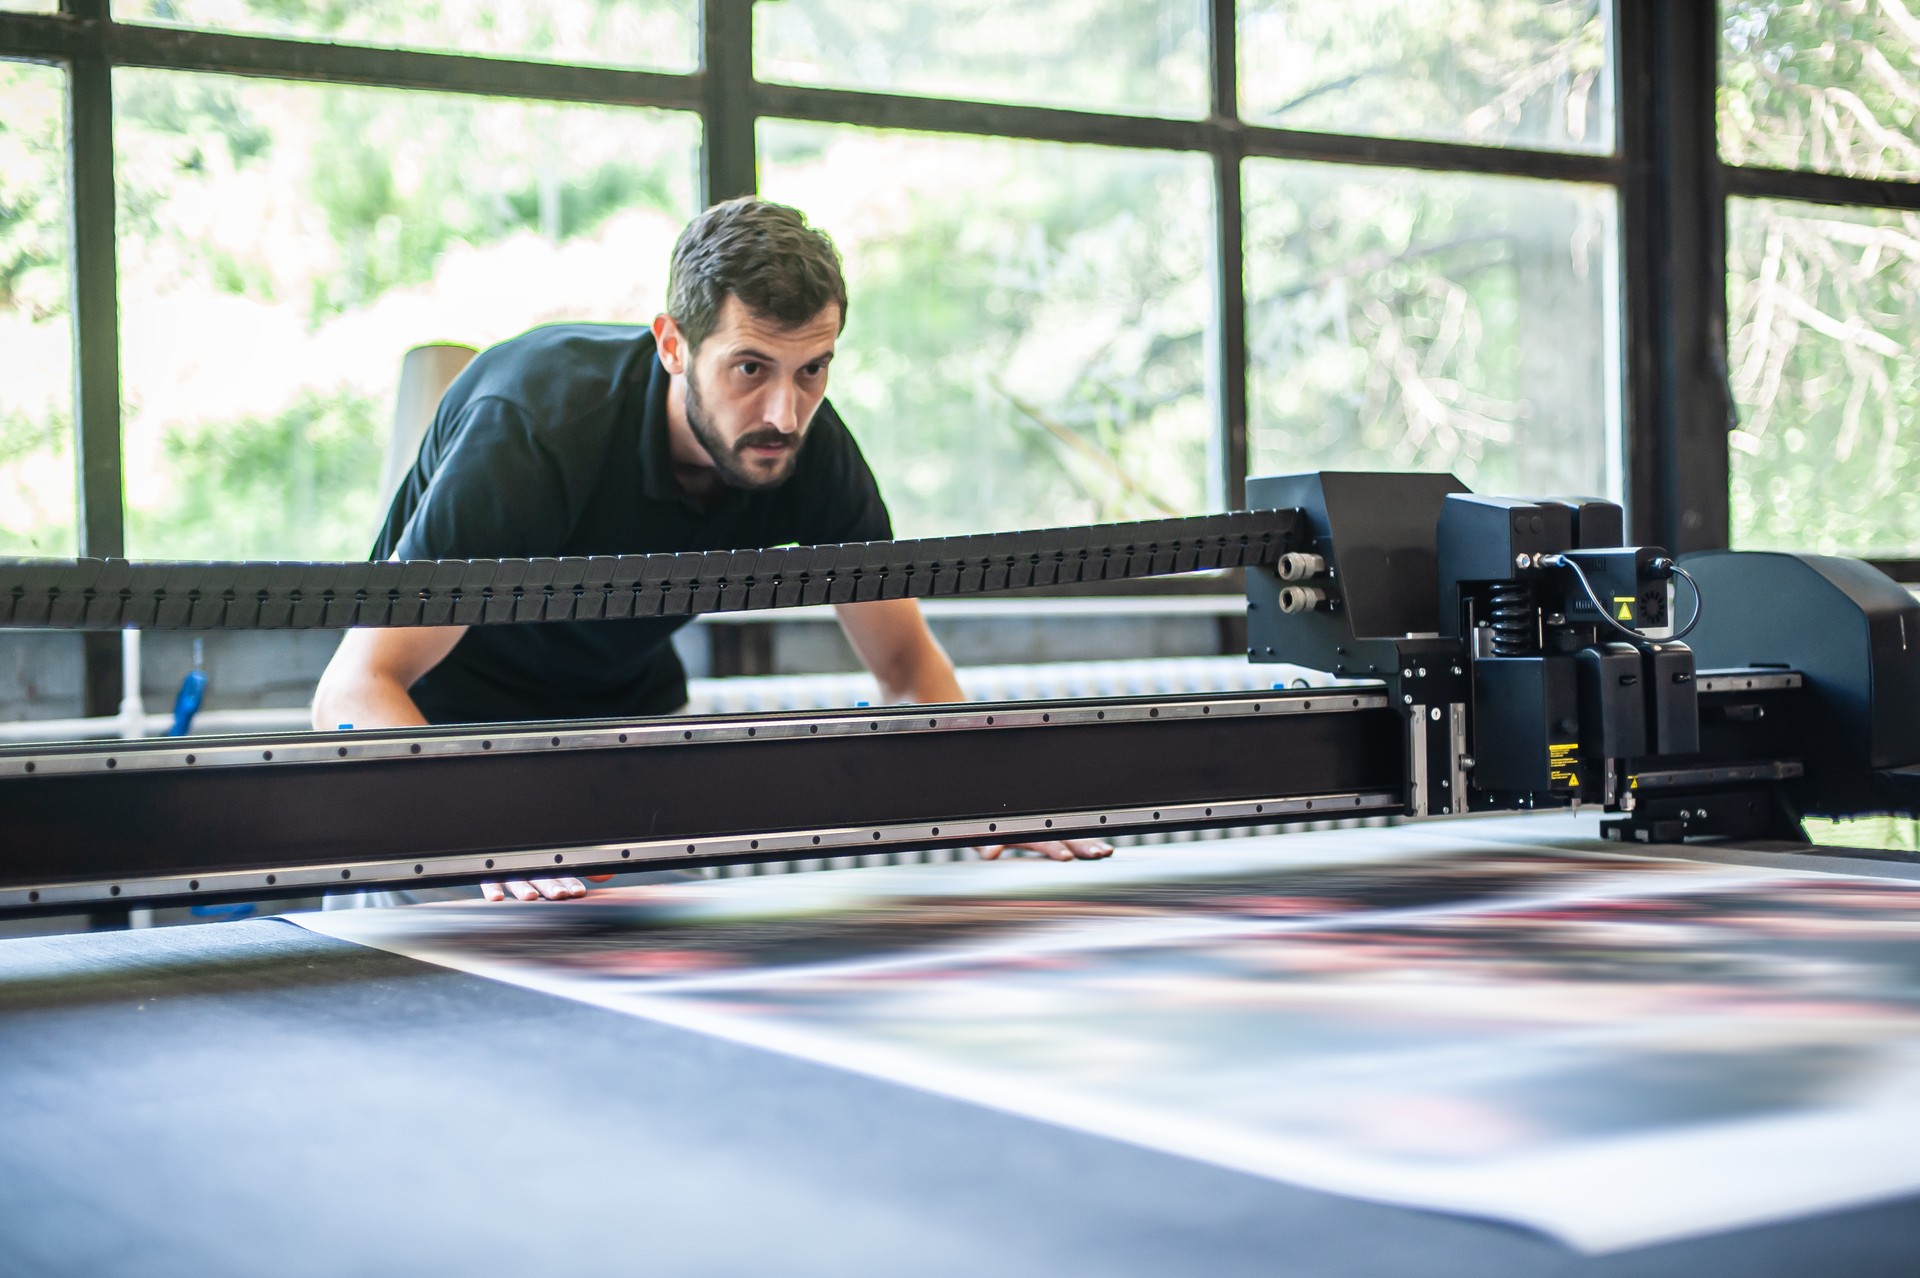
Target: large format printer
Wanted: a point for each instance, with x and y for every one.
(1494, 654)
(228, 1098)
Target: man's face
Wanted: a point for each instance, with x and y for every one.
(752, 390)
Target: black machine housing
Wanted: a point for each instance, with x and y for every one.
(1537, 660)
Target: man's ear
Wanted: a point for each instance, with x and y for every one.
(671, 344)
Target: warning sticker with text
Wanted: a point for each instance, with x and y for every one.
(1563, 764)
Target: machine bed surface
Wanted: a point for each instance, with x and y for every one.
(248, 1097)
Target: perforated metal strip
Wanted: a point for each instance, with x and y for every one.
(104, 594)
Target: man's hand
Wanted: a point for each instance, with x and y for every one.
(534, 890)
(1061, 850)
(540, 889)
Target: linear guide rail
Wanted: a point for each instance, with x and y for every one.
(167, 819)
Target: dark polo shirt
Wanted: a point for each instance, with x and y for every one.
(556, 443)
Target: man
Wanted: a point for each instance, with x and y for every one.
(709, 431)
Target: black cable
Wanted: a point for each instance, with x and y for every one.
(1659, 566)
(1699, 600)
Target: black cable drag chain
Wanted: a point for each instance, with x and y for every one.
(112, 594)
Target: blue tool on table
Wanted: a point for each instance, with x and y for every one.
(186, 702)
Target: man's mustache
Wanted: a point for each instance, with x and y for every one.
(765, 439)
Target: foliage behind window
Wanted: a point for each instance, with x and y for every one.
(37, 486)
(283, 245)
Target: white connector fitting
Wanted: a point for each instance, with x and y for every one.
(1294, 599)
(1296, 566)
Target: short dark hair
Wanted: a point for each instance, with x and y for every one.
(763, 253)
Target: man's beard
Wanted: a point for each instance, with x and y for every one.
(728, 462)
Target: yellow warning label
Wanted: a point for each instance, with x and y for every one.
(1623, 607)
(1563, 764)
(1633, 782)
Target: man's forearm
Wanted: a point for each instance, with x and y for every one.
(894, 643)
(369, 703)
(923, 674)
(366, 683)
(927, 687)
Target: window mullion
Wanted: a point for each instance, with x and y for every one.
(96, 326)
(728, 162)
(1674, 228)
(1229, 258)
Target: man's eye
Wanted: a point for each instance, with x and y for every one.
(814, 370)
(750, 367)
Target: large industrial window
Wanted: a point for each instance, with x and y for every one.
(1431, 320)
(1143, 57)
(1823, 296)
(1484, 71)
(1033, 325)
(1106, 257)
(282, 245)
(1422, 321)
(1029, 322)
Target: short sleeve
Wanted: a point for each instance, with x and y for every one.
(498, 493)
(842, 501)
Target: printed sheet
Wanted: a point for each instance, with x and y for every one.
(1614, 1049)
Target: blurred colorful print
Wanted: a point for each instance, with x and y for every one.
(1614, 1049)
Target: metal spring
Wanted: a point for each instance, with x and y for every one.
(1514, 618)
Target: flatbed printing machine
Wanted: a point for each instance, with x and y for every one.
(1497, 654)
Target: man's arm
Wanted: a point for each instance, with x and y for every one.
(366, 682)
(893, 641)
(366, 685)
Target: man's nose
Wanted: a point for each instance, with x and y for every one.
(782, 410)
